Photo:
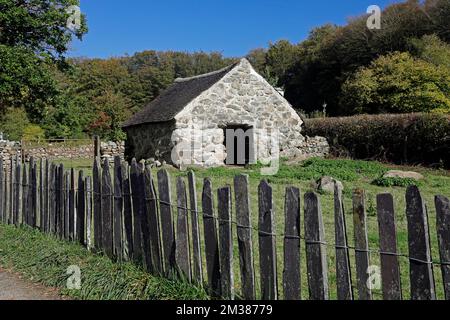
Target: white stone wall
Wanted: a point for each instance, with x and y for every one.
(242, 97)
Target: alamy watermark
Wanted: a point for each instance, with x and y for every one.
(231, 146)
(74, 279)
(374, 20)
(74, 20)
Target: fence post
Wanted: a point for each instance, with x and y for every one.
(29, 208)
(19, 193)
(197, 270)
(97, 144)
(182, 256)
(267, 245)
(127, 214)
(88, 184)
(135, 192)
(81, 210)
(6, 203)
(244, 236)
(46, 196)
(52, 199)
(362, 246)
(118, 208)
(61, 188)
(442, 205)
(168, 236)
(66, 202)
(107, 220)
(144, 223)
(12, 190)
(41, 196)
(211, 243)
(97, 205)
(316, 257)
(420, 263)
(72, 216)
(34, 192)
(343, 273)
(390, 269)
(2, 192)
(152, 218)
(226, 242)
(291, 272)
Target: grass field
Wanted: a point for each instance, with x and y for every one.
(353, 174)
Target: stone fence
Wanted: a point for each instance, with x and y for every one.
(59, 150)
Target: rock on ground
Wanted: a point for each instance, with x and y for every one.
(403, 175)
(327, 184)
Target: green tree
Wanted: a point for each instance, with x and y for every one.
(398, 83)
(13, 123)
(33, 37)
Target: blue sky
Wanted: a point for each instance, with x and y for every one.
(233, 27)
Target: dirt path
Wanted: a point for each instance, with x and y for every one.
(12, 287)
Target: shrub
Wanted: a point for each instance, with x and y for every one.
(397, 83)
(33, 132)
(395, 182)
(402, 139)
(13, 123)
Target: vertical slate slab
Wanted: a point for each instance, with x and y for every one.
(316, 257)
(118, 208)
(145, 224)
(390, 269)
(182, 256)
(165, 210)
(267, 245)
(29, 208)
(72, 217)
(66, 205)
(443, 231)
(41, 195)
(2, 192)
(18, 196)
(127, 214)
(420, 262)
(81, 210)
(244, 236)
(343, 271)
(52, 199)
(226, 242)
(197, 269)
(12, 190)
(361, 244)
(88, 185)
(107, 219)
(291, 272)
(97, 204)
(61, 189)
(151, 213)
(211, 243)
(47, 186)
(135, 192)
(21, 196)
(34, 193)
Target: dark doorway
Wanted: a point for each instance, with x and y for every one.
(239, 144)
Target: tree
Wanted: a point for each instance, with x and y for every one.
(13, 123)
(398, 83)
(34, 35)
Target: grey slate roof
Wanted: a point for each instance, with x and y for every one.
(173, 100)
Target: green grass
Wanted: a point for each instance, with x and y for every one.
(45, 259)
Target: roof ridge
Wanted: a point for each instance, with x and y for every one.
(229, 68)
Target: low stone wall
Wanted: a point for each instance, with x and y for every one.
(109, 150)
(11, 149)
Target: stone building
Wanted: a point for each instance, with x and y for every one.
(215, 118)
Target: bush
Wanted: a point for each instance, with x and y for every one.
(397, 83)
(33, 132)
(395, 182)
(13, 123)
(402, 139)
